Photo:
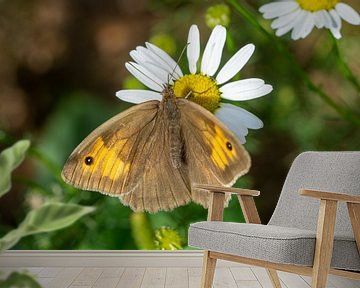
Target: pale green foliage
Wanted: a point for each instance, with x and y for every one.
(20, 280)
(217, 15)
(165, 42)
(167, 239)
(11, 158)
(49, 217)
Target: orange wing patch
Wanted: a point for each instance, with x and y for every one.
(106, 160)
(222, 150)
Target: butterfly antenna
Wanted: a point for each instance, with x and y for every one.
(202, 92)
(147, 76)
(171, 75)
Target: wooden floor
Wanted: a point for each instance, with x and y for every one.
(171, 277)
(156, 272)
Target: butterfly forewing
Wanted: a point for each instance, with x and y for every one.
(108, 160)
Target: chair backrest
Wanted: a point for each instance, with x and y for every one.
(326, 171)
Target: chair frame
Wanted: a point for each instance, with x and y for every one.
(324, 235)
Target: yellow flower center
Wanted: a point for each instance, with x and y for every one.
(316, 5)
(200, 89)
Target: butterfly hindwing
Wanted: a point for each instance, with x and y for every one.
(162, 187)
(215, 155)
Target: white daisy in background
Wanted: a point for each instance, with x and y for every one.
(301, 16)
(155, 68)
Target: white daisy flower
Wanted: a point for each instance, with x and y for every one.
(154, 68)
(301, 16)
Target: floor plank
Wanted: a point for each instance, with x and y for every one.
(132, 277)
(44, 282)
(87, 277)
(340, 282)
(34, 270)
(50, 272)
(171, 277)
(263, 278)
(106, 282)
(308, 280)
(194, 277)
(293, 280)
(248, 284)
(243, 274)
(224, 278)
(65, 277)
(154, 278)
(112, 272)
(177, 278)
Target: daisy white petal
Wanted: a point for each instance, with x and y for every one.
(235, 64)
(308, 25)
(232, 123)
(146, 55)
(144, 76)
(248, 94)
(299, 26)
(242, 85)
(146, 60)
(348, 13)
(319, 14)
(137, 56)
(285, 20)
(286, 28)
(162, 74)
(213, 51)
(163, 55)
(336, 33)
(278, 5)
(336, 24)
(193, 49)
(336, 20)
(138, 96)
(280, 9)
(245, 118)
(327, 18)
(319, 20)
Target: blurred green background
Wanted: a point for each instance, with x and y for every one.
(62, 61)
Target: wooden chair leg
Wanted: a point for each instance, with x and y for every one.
(354, 212)
(274, 278)
(208, 271)
(324, 243)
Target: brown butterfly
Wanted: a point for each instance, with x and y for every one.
(149, 155)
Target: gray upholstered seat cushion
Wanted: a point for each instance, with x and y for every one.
(271, 243)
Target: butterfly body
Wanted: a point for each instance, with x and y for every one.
(149, 155)
(173, 114)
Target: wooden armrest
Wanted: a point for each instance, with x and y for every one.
(323, 195)
(221, 189)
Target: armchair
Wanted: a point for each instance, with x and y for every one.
(307, 236)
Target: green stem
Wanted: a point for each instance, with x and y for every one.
(343, 65)
(342, 111)
(230, 43)
(142, 231)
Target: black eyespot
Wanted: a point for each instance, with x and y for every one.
(228, 146)
(89, 160)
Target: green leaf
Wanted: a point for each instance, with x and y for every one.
(10, 158)
(20, 280)
(49, 217)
